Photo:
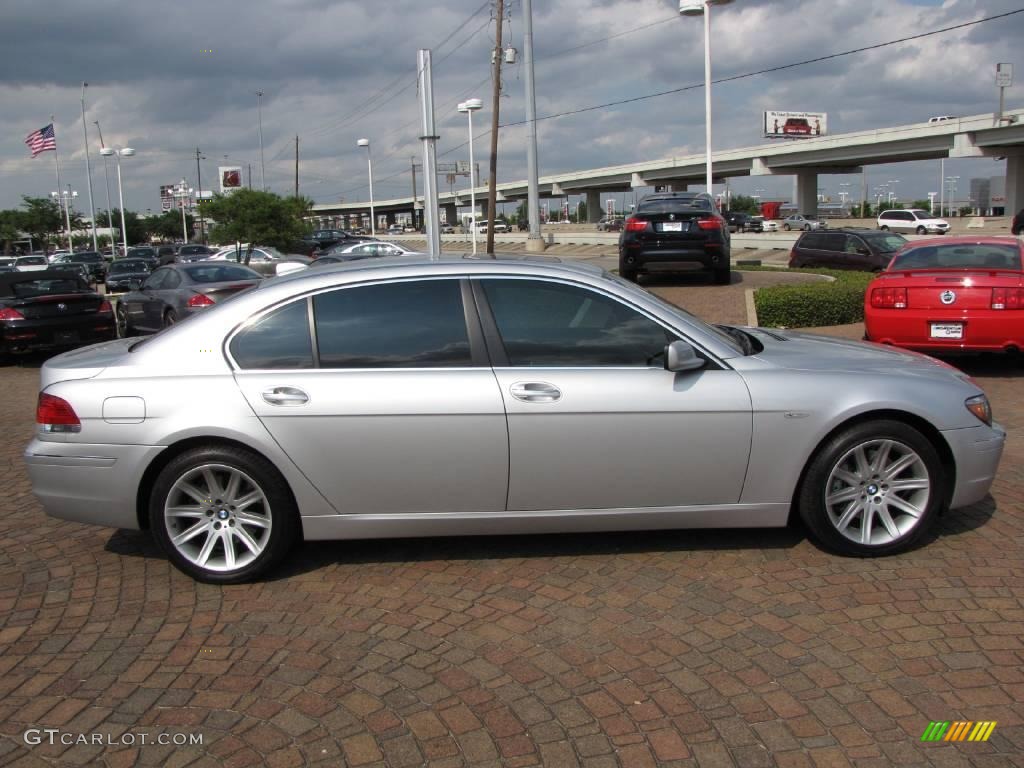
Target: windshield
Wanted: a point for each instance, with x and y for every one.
(953, 256)
(140, 252)
(674, 205)
(221, 273)
(122, 267)
(30, 261)
(718, 333)
(86, 257)
(887, 243)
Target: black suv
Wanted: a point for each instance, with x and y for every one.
(867, 250)
(741, 222)
(674, 231)
(322, 239)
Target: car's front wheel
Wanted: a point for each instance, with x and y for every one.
(873, 489)
(170, 318)
(884, 228)
(223, 514)
(124, 328)
(786, 227)
(922, 231)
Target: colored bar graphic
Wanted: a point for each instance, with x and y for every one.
(958, 730)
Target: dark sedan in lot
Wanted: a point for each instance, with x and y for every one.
(123, 271)
(145, 252)
(195, 252)
(49, 309)
(173, 292)
(93, 261)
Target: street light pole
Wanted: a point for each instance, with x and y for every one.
(259, 119)
(469, 106)
(369, 167)
(183, 193)
(88, 171)
(698, 8)
(106, 183)
(117, 153)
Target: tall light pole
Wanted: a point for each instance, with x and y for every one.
(64, 198)
(183, 193)
(259, 120)
(119, 153)
(893, 194)
(698, 8)
(88, 171)
(469, 106)
(106, 182)
(369, 167)
(534, 241)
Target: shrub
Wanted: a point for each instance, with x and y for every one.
(817, 304)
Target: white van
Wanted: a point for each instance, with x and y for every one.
(914, 220)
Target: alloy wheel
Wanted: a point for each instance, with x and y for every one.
(877, 492)
(218, 518)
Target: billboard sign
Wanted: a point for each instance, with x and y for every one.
(795, 125)
(1004, 75)
(166, 197)
(230, 178)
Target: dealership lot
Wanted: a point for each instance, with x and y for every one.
(743, 648)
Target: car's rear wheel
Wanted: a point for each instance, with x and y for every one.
(170, 318)
(723, 276)
(807, 227)
(884, 228)
(874, 489)
(921, 231)
(222, 514)
(786, 227)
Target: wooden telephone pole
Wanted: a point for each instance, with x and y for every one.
(492, 184)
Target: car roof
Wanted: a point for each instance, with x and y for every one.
(675, 196)
(967, 240)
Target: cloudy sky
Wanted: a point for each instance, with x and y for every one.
(166, 77)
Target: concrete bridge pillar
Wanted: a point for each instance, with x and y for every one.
(594, 212)
(450, 214)
(1014, 184)
(806, 195)
(389, 218)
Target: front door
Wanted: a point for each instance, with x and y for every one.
(386, 406)
(594, 419)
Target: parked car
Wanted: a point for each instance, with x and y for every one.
(167, 254)
(123, 271)
(8, 261)
(263, 259)
(739, 221)
(914, 220)
(446, 229)
(941, 119)
(322, 239)
(92, 260)
(396, 229)
(670, 231)
(761, 224)
(499, 226)
(610, 224)
(803, 221)
(176, 291)
(949, 295)
(357, 251)
(30, 263)
(144, 252)
(192, 252)
(5, 269)
(541, 392)
(867, 250)
(1017, 225)
(50, 309)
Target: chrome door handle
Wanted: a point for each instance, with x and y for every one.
(535, 392)
(285, 396)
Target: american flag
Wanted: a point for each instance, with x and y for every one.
(42, 140)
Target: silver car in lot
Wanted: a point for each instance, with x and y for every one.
(417, 398)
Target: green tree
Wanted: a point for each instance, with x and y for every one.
(167, 225)
(581, 212)
(41, 219)
(856, 213)
(744, 204)
(249, 215)
(138, 227)
(925, 204)
(10, 228)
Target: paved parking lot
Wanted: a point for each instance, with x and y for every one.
(667, 649)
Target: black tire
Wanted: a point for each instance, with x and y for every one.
(807, 227)
(922, 231)
(279, 508)
(813, 508)
(723, 276)
(170, 318)
(884, 228)
(786, 227)
(124, 326)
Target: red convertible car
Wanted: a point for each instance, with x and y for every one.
(950, 294)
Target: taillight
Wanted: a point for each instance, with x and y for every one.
(200, 300)
(1002, 298)
(712, 223)
(11, 314)
(55, 414)
(634, 224)
(105, 308)
(889, 298)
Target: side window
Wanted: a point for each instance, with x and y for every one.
(171, 280)
(555, 325)
(834, 242)
(414, 324)
(907, 216)
(813, 242)
(886, 215)
(280, 339)
(853, 244)
(155, 280)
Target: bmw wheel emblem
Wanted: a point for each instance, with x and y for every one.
(62, 307)
(947, 297)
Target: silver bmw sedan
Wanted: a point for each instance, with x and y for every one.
(414, 398)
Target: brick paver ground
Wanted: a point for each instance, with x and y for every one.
(705, 649)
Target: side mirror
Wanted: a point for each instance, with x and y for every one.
(135, 284)
(681, 356)
(863, 251)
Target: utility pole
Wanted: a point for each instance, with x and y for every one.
(88, 167)
(412, 161)
(199, 198)
(428, 135)
(492, 184)
(296, 167)
(250, 174)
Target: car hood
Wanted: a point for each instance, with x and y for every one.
(810, 352)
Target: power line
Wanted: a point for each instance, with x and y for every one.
(610, 37)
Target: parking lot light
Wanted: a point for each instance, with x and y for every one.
(469, 106)
(369, 166)
(118, 154)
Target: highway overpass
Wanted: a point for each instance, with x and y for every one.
(805, 159)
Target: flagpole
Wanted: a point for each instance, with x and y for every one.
(56, 163)
(88, 171)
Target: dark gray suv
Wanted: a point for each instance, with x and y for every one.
(867, 250)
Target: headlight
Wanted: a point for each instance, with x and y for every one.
(980, 407)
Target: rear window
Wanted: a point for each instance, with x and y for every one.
(86, 257)
(815, 241)
(26, 289)
(30, 261)
(971, 256)
(674, 205)
(124, 267)
(219, 273)
(140, 252)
